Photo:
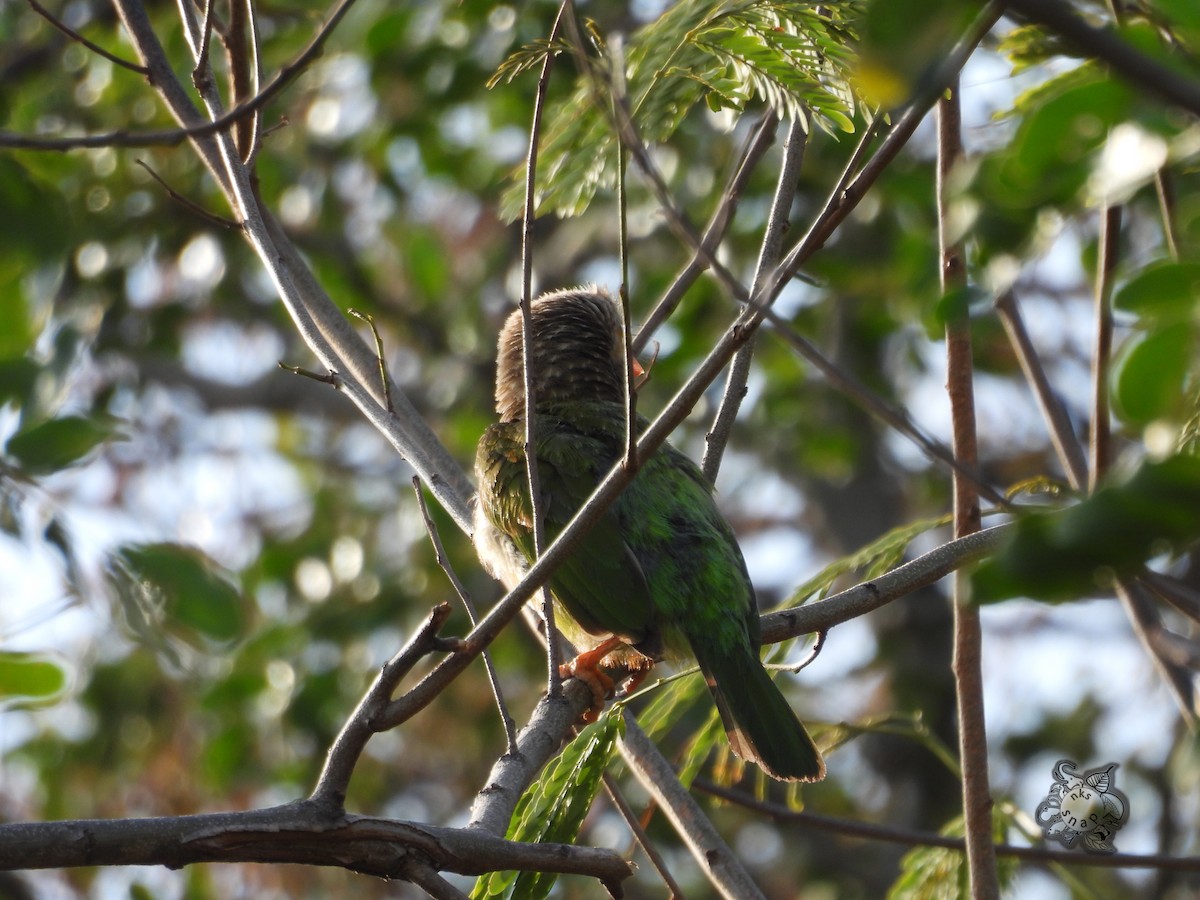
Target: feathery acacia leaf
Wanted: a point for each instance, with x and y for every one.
(794, 56)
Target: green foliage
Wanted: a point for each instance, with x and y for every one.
(795, 56)
(58, 443)
(552, 809)
(177, 588)
(938, 873)
(1064, 554)
(26, 677)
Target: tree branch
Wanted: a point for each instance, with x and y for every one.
(1122, 57)
(302, 832)
(967, 660)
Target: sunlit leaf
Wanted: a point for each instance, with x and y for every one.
(1152, 374)
(29, 676)
(1162, 290)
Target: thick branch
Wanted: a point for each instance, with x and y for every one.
(301, 832)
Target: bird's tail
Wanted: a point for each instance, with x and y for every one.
(758, 720)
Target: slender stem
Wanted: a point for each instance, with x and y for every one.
(79, 38)
(640, 836)
(968, 642)
(720, 864)
(874, 832)
(553, 678)
(768, 257)
(1106, 263)
(759, 140)
(1058, 420)
(443, 561)
(626, 328)
(1165, 189)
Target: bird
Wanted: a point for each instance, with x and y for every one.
(660, 574)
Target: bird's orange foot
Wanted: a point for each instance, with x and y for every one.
(586, 667)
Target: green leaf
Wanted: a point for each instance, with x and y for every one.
(18, 375)
(192, 591)
(1161, 290)
(877, 557)
(552, 809)
(939, 873)
(56, 444)
(1064, 554)
(29, 676)
(795, 56)
(1152, 374)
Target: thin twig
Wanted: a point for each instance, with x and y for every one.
(1108, 243)
(553, 677)
(894, 416)
(201, 67)
(79, 38)
(768, 257)
(1165, 190)
(621, 804)
(510, 727)
(427, 879)
(630, 388)
(190, 205)
(968, 641)
(171, 137)
(384, 379)
(757, 143)
(1058, 420)
(913, 838)
(720, 864)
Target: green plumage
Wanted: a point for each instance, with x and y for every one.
(661, 570)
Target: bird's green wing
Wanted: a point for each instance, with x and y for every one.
(601, 585)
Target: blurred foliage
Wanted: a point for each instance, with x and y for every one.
(205, 559)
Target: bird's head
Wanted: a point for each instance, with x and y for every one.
(577, 352)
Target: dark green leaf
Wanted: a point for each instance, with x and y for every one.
(1065, 554)
(56, 444)
(193, 592)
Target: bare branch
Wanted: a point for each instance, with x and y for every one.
(909, 837)
(1106, 265)
(968, 638)
(80, 39)
(510, 728)
(343, 754)
(757, 143)
(1058, 421)
(768, 257)
(553, 678)
(719, 863)
(193, 129)
(539, 740)
(303, 832)
(190, 205)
